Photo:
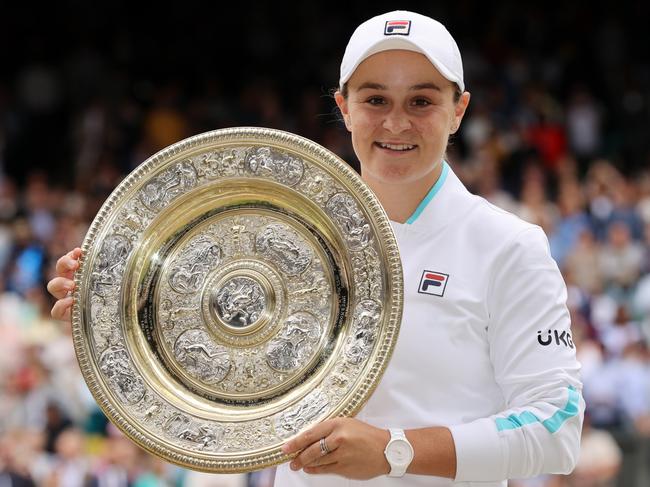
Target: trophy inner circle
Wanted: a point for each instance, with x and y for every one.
(246, 301)
(241, 301)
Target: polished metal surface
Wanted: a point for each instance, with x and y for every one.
(235, 289)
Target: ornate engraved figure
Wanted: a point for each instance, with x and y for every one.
(367, 272)
(184, 428)
(227, 163)
(305, 413)
(315, 295)
(240, 302)
(105, 321)
(241, 436)
(157, 193)
(134, 218)
(110, 263)
(176, 424)
(283, 168)
(359, 344)
(347, 213)
(115, 365)
(201, 357)
(284, 248)
(251, 374)
(189, 272)
(152, 411)
(242, 240)
(296, 343)
(174, 314)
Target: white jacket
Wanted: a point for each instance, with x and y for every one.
(484, 347)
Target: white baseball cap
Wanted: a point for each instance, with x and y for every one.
(401, 29)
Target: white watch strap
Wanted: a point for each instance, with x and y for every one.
(397, 470)
(396, 433)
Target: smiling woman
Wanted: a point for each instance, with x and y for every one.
(400, 111)
(470, 395)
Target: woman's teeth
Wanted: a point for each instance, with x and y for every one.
(396, 146)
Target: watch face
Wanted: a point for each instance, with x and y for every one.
(399, 452)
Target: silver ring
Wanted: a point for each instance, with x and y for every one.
(323, 447)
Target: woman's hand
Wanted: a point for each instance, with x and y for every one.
(60, 286)
(356, 449)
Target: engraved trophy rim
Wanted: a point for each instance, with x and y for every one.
(213, 423)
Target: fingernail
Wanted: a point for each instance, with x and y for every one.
(294, 466)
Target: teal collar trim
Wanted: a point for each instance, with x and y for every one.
(432, 192)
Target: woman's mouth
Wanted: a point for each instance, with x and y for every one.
(396, 147)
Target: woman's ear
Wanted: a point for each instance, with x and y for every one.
(342, 103)
(459, 111)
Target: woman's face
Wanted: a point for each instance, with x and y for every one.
(400, 111)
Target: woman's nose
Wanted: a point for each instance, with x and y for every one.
(397, 120)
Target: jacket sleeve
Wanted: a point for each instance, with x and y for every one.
(536, 368)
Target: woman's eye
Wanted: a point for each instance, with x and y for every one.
(421, 102)
(375, 100)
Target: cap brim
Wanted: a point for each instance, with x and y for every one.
(391, 43)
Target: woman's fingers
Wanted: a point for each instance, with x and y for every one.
(69, 263)
(313, 456)
(322, 469)
(344, 446)
(309, 437)
(62, 309)
(59, 287)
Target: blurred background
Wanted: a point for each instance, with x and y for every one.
(558, 132)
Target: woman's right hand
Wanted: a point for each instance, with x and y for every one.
(63, 283)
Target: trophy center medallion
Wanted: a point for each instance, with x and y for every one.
(239, 302)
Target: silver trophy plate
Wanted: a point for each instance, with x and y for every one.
(235, 289)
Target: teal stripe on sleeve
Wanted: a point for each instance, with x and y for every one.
(432, 192)
(556, 421)
(552, 424)
(513, 421)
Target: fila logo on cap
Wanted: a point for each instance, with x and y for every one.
(397, 28)
(433, 283)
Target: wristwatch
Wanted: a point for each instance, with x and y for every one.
(399, 452)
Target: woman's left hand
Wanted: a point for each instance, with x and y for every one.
(356, 449)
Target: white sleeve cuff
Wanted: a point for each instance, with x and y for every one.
(479, 455)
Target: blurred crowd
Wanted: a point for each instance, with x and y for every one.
(557, 133)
